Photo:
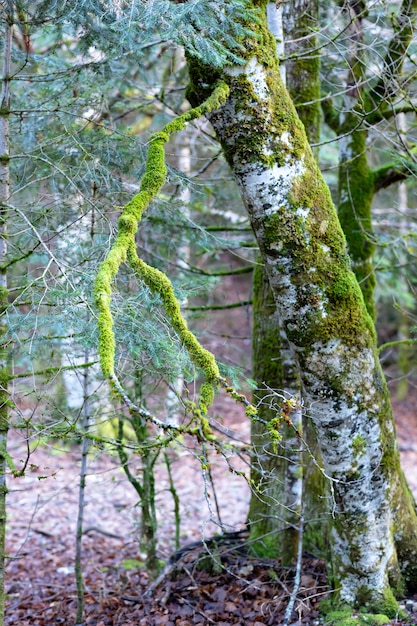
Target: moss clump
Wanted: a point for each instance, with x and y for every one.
(359, 445)
(251, 412)
(345, 618)
(387, 605)
(345, 287)
(343, 615)
(273, 429)
(373, 613)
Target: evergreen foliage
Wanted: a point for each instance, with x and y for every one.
(211, 30)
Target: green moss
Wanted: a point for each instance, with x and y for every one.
(359, 445)
(302, 74)
(345, 618)
(124, 249)
(321, 228)
(344, 287)
(388, 605)
(280, 118)
(266, 340)
(251, 411)
(274, 434)
(376, 613)
(4, 293)
(340, 618)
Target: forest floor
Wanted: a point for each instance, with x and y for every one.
(41, 544)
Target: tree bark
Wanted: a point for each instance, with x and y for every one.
(275, 508)
(325, 320)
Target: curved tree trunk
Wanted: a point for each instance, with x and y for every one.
(275, 507)
(325, 320)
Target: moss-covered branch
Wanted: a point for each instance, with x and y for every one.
(399, 342)
(47, 371)
(123, 250)
(391, 173)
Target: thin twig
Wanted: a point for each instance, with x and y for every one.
(297, 578)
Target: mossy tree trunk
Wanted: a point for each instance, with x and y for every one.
(301, 22)
(276, 500)
(321, 307)
(4, 369)
(275, 506)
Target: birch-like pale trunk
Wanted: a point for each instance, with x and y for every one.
(325, 320)
(4, 369)
(276, 474)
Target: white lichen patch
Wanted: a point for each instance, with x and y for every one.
(363, 557)
(286, 139)
(356, 365)
(276, 246)
(389, 425)
(304, 213)
(257, 77)
(323, 227)
(267, 189)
